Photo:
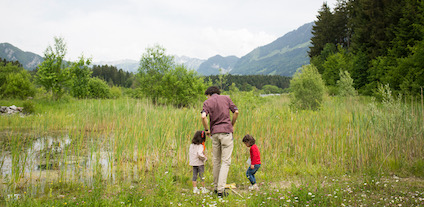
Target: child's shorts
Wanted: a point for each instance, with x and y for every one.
(198, 170)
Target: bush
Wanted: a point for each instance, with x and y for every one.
(29, 107)
(115, 92)
(345, 85)
(18, 85)
(271, 89)
(307, 88)
(99, 88)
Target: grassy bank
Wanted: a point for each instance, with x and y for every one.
(131, 152)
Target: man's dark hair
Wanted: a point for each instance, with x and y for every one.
(211, 90)
(199, 137)
(249, 139)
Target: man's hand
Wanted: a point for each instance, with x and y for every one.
(252, 167)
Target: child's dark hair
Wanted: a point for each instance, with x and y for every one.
(249, 139)
(199, 137)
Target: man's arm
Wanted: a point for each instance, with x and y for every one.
(205, 123)
(235, 115)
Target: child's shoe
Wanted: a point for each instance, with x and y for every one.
(204, 190)
(254, 187)
(196, 190)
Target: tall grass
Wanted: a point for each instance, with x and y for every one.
(117, 142)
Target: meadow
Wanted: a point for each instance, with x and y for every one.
(129, 152)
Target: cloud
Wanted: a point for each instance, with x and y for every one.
(113, 30)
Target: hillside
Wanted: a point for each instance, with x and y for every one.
(281, 57)
(212, 65)
(28, 60)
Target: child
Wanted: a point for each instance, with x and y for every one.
(255, 161)
(197, 160)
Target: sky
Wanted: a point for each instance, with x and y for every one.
(111, 30)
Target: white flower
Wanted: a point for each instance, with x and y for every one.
(281, 198)
(288, 201)
(310, 193)
(141, 200)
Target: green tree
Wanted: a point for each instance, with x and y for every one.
(345, 84)
(271, 89)
(18, 85)
(80, 76)
(307, 88)
(98, 88)
(6, 69)
(154, 64)
(182, 87)
(333, 65)
(323, 31)
(53, 73)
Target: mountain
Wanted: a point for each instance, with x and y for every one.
(126, 65)
(28, 60)
(212, 65)
(281, 57)
(190, 63)
(132, 65)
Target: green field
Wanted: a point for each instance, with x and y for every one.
(129, 152)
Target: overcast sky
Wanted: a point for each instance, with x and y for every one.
(109, 30)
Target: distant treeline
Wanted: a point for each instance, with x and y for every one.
(247, 82)
(118, 77)
(4, 62)
(113, 76)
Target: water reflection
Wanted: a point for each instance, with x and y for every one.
(46, 158)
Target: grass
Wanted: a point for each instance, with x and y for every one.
(131, 152)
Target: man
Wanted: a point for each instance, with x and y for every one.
(221, 129)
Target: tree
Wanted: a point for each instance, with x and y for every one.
(154, 64)
(181, 86)
(345, 84)
(271, 89)
(333, 65)
(307, 88)
(98, 88)
(80, 76)
(323, 31)
(163, 82)
(18, 85)
(53, 74)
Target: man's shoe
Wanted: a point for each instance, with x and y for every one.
(222, 195)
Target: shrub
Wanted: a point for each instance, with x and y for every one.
(29, 107)
(307, 88)
(271, 89)
(345, 84)
(18, 85)
(98, 88)
(115, 92)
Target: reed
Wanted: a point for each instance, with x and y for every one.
(117, 142)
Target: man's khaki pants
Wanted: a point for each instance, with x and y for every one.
(222, 148)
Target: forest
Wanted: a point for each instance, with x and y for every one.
(378, 42)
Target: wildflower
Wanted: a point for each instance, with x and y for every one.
(166, 172)
(281, 198)
(288, 201)
(310, 193)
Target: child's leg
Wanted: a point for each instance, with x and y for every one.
(201, 172)
(195, 172)
(250, 173)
